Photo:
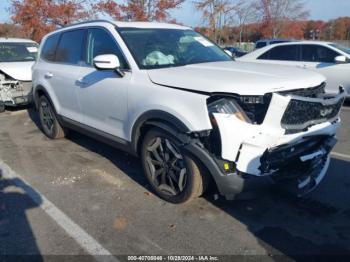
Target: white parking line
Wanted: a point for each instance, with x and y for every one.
(340, 155)
(86, 241)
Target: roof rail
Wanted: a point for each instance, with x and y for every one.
(90, 21)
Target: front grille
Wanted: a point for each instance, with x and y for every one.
(302, 114)
(312, 92)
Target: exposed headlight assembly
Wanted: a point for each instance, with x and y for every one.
(251, 109)
(228, 106)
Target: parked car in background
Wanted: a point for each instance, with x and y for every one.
(265, 42)
(17, 57)
(330, 59)
(235, 51)
(195, 117)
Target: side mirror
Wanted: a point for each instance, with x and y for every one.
(228, 52)
(341, 59)
(108, 62)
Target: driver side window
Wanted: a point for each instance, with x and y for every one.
(101, 42)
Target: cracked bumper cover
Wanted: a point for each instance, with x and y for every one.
(268, 154)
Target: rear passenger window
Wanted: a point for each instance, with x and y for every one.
(49, 48)
(283, 53)
(100, 42)
(315, 53)
(70, 47)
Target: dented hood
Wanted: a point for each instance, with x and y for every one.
(236, 77)
(18, 70)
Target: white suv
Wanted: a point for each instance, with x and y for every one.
(194, 116)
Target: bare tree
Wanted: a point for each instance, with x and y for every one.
(244, 12)
(277, 13)
(215, 13)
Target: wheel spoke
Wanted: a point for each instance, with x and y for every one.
(172, 149)
(166, 166)
(166, 188)
(181, 179)
(155, 145)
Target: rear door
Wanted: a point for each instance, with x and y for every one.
(62, 72)
(322, 59)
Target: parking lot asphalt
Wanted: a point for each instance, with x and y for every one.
(77, 196)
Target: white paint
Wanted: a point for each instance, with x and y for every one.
(336, 72)
(340, 155)
(87, 242)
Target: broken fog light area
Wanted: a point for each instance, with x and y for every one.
(313, 92)
(287, 158)
(12, 91)
(303, 114)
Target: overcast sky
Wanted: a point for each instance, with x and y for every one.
(319, 9)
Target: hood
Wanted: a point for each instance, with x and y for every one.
(236, 77)
(18, 70)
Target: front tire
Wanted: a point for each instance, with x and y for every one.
(174, 175)
(48, 119)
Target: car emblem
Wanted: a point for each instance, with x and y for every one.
(326, 112)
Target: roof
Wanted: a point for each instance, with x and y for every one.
(149, 25)
(123, 24)
(305, 42)
(275, 39)
(15, 40)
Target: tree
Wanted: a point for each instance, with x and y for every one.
(38, 17)
(216, 13)
(11, 30)
(245, 12)
(277, 14)
(139, 10)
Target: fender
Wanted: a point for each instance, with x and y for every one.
(161, 119)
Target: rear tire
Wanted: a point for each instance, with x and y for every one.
(48, 119)
(174, 175)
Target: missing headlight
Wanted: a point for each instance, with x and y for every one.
(227, 105)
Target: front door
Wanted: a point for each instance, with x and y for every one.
(103, 93)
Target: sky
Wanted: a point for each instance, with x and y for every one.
(188, 15)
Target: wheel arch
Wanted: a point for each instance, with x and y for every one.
(38, 92)
(156, 118)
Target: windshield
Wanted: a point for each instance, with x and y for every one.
(159, 48)
(342, 48)
(18, 52)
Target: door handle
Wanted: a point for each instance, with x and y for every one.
(81, 82)
(48, 75)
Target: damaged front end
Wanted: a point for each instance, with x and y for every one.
(14, 92)
(282, 138)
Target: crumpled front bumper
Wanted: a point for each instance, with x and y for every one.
(267, 154)
(17, 96)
